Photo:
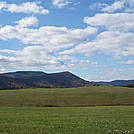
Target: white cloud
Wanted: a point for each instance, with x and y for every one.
(32, 51)
(118, 5)
(95, 6)
(115, 70)
(60, 3)
(34, 57)
(27, 21)
(84, 64)
(2, 70)
(50, 40)
(122, 5)
(129, 6)
(112, 74)
(54, 38)
(2, 5)
(109, 42)
(37, 57)
(7, 51)
(88, 61)
(118, 21)
(127, 62)
(77, 3)
(115, 6)
(122, 70)
(116, 40)
(27, 7)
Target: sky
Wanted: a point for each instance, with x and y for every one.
(92, 39)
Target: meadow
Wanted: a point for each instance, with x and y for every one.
(65, 111)
(67, 120)
(67, 97)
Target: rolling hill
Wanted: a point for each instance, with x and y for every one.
(67, 97)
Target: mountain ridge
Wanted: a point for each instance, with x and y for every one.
(116, 83)
(38, 79)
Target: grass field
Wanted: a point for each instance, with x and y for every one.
(82, 96)
(24, 111)
(67, 120)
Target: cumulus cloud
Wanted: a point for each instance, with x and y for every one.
(27, 7)
(118, 21)
(34, 57)
(60, 3)
(50, 40)
(119, 5)
(116, 39)
(54, 38)
(33, 51)
(27, 21)
(113, 7)
(109, 42)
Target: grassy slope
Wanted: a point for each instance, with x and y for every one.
(67, 97)
(74, 120)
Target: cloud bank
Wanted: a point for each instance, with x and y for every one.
(50, 40)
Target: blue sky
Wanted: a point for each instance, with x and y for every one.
(92, 39)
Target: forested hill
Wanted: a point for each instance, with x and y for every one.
(36, 79)
(119, 83)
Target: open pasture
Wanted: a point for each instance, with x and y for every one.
(67, 97)
(67, 120)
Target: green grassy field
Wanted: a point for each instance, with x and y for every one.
(67, 120)
(23, 111)
(82, 96)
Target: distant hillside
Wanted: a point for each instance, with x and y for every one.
(38, 79)
(35, 79)
(119, 83)
(130, 85)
